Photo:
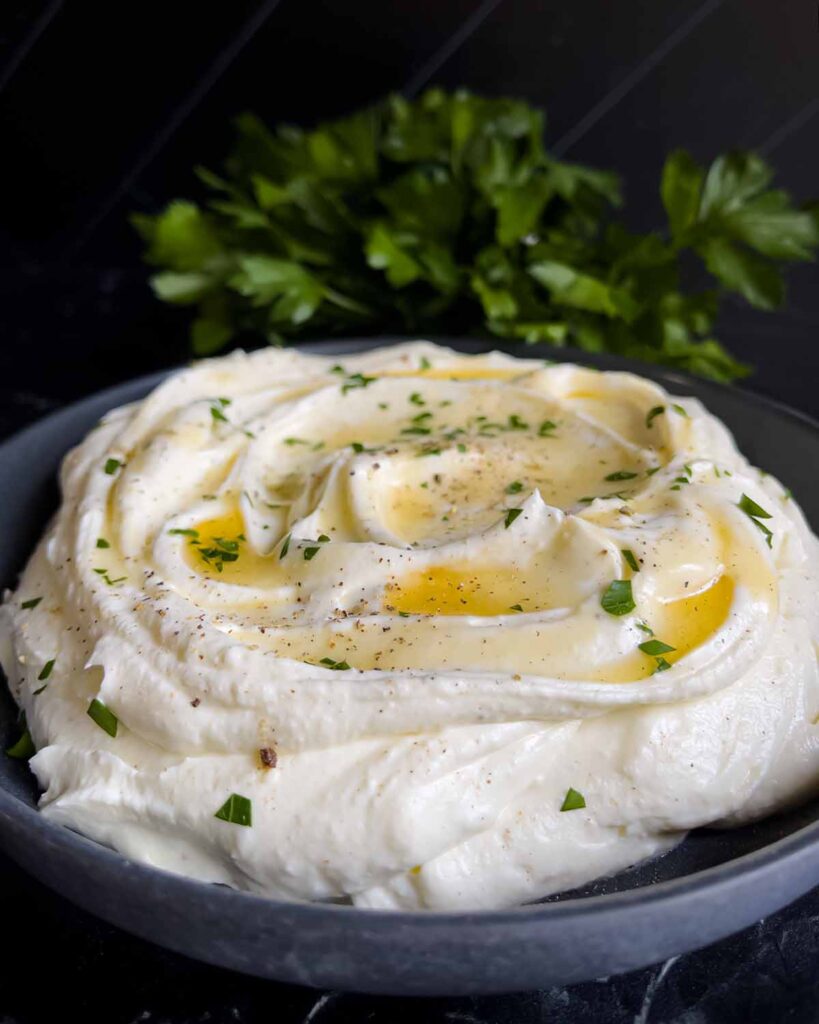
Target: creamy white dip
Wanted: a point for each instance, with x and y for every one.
(415, 629)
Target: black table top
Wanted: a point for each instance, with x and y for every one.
(59, 960)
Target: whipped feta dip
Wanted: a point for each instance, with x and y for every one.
(414, 629)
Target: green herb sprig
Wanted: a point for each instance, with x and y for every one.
(446, 213)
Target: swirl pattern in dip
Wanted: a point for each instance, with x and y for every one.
(414, 629)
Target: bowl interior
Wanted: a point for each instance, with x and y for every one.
(773, 437)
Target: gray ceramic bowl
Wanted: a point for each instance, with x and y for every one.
(714, 883)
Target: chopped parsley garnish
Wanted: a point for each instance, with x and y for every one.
(755, 513)
(285, 546)
(662, 665)
(425, 363)
(621, 474)
(546, 428)
(23, 749)
(515, 487)
(31, 603)
(417, 398)
(511, 516)
(645, 628)
(102, 543)
(404, 615)
(461, 448)
(222, 549)
(617, 598)
(516, 608)
(679, 409)
(310, 553)
(178, 531)
(218, 415)
(338, 368)
(323, 538)
(573, 801)
(429, 451)
(295, 440)
(336, 666)
(655, 647)
(516, 423)
(750, 508)
(104, 574)
(658, 410)
(356, 380)
(103, 716)
(111, 466)
(653, 470)
(632, 561)
(45, 671)
(421, 417)
(236, 810)
(419, 431)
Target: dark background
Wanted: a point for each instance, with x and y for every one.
(106, 107)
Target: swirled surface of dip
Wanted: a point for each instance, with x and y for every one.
(414, 629)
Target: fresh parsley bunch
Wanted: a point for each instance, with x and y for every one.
(446, 215)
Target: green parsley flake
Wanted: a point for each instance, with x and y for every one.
(511, 516)
(356, 380)
(425, 363)
(679, 409)
(515, 487)
(103, 716)
(516, 608)
(655, 647)
(546, 428)
(285, 546)
(617, 598)
(45, 671)
(658, 410)
(336, 666)
(177, 531)
(632, 561)
(573, 801)
(102, 543)
(417, 398)
(31, 603)
(310, 553)
(621, 474)
(111, 466)
(237, 810)
(218, 415)
(755, 513)
(23, 749)
(662, 665)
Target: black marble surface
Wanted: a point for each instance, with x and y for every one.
(60, 964)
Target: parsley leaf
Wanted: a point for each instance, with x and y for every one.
(441, 212)
(617, 598)
(573, 801)
(237, 810)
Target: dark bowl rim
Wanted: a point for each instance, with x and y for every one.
(736, 871)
